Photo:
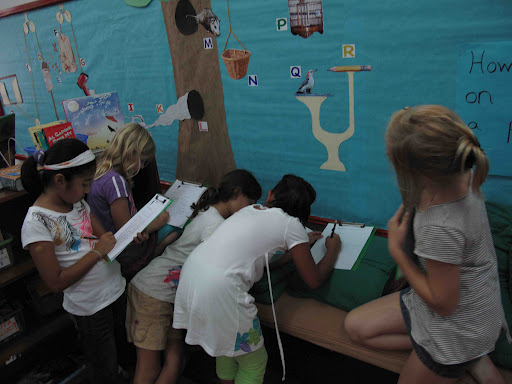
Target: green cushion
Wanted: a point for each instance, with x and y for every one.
(500, 219)
(137, 3)
(350, 289)
(279, 277)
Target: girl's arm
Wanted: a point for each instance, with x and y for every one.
(97, 227)
(57, 278)
(120, 212)
(287, 257)
(315, 275)
(167, 240)
(158, 223)
(439, 286)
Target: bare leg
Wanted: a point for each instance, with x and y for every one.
(379, 324)
(148, 366)
(485, 372)
(172, 367)
(414, 372)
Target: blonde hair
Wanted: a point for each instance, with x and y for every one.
(130, 143)
(432, 141)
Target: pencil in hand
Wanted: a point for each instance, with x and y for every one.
(89, 237)
(333, 228)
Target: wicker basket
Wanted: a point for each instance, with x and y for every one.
(237, 62)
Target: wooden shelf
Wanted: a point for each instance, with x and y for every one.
(25, 342)
(22, 268)
(7, 194)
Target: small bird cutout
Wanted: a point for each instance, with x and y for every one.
(308, 84)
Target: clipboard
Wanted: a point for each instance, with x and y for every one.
(139, 222)
(355, 238)
(184, 194)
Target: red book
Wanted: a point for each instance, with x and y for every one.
(58, 132)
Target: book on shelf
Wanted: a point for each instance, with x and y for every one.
(58, 132)
(10, 178)
(37, 134)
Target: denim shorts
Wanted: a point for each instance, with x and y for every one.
(452, 371)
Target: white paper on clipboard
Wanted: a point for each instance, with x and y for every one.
(353, 240)
(124, 236)
(184, 195)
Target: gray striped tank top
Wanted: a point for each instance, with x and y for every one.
(458, 233)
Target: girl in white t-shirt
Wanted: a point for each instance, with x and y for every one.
(68, 245)
(213, 301)
(151, 292)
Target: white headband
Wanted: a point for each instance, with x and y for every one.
(81, 159)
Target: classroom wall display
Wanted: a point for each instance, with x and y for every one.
(10, 7)
(313, 101)
(97, 116)
(306, 17)
(484, 99)
(414, 50)
(202, 158)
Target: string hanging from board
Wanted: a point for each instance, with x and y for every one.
(29, 26)
(236, 60)
(66, 55)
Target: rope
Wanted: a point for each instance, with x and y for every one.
(31, 78)
(76, 47)
(26, 114)
(38, 46)
(42, 59)
(231, 31)
(62, 11)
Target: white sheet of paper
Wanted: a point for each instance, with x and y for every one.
(138, 223)
(353, 238)
(183, 194)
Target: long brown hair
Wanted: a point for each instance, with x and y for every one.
(130, 143)
(432, 141)
(232, 183)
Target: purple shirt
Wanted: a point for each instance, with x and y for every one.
(104, 191)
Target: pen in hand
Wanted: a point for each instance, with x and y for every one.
(89, 237)
(333, 228)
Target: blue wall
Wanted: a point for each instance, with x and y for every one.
(411, 46)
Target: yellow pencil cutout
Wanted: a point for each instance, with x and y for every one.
(351, 68)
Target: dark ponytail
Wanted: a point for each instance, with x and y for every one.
(233, 183)
(35, 182)
(30, 177)
(294, 195)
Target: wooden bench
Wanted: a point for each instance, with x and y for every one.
(322, 324)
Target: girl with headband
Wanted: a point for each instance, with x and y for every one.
(68, 245)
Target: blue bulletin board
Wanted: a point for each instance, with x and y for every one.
(484, 99)
(419, 53)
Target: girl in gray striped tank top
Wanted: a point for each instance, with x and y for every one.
(451, 315)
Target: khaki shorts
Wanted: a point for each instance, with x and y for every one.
(149, 321)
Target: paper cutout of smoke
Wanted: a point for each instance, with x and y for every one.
(190, 105)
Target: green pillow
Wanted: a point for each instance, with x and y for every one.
(350, 289)
(500, 219)
(279, 278)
